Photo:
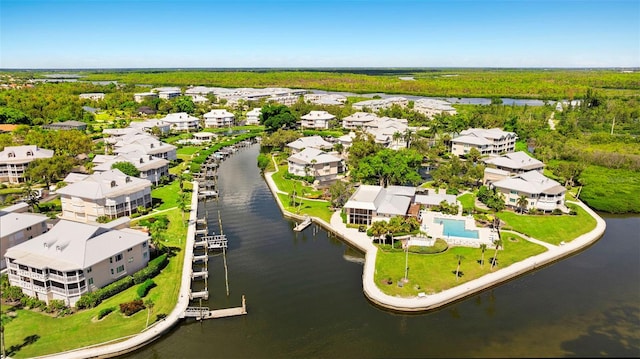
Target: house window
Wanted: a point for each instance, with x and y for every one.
(29, 153)
(144, 255)
(110, 259)
(90, 281)
(512, 200)
(113, 184)
(120, 269)
(118, 257)
(144, 245)
(89, 270)
(129, 250)
(513, 192)
(130, 259)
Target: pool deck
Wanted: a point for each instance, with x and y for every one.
(432, 226)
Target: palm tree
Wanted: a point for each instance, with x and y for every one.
(497, 243)
(30, 196)
(459, 258)
(396, 136)
(522, 203)
(483, 247)
(378, 229)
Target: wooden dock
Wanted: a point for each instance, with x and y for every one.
(201, 313)
(304, 224)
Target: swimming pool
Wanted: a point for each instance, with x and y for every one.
(455, 228)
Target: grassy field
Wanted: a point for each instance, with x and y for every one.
(313, 208)
(288, 186)
(82, 328)
(468, 201)
(550, 228)
(611, 190)
(433, 273)
(167, 196)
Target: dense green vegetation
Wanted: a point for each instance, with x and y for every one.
(543, 84)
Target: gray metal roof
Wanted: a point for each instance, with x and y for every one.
(73, 245)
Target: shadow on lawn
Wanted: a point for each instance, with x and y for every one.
(27, 341)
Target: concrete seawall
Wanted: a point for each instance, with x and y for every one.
(363, 243)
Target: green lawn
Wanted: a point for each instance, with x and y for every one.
(550, 228)
(82, 329)
(168, 194)
(313, 208)
(188, 150)
(468, 201)
(288, 186)
(433, 273)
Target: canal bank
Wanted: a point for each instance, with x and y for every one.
(364, 243)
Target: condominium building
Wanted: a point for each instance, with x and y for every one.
(487, 141)
(17, 226)
(14, 160)
(218, 118)
(111, 194)
(75, 258)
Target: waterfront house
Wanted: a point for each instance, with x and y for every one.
(322, 166)
(318, 120)
(487, 141)
(542, 193)
(309, 142)
(14, 160)
(218, 118)
(75, 258)
(431, 107)
(110, 194)
(325, 99)
(501, 167)
(182, 121)
(17, 226)
(369, 204)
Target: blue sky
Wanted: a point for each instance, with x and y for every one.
(314, 33)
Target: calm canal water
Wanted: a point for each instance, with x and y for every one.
(305, 300)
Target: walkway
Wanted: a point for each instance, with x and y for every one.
(154, 331)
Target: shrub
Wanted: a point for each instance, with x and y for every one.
(104, 312)
(56, 305)
(92, 299)
(132, 307)
(145, 287)
(152, 269)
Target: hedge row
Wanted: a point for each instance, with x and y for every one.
(92, 299)
(152, 269)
